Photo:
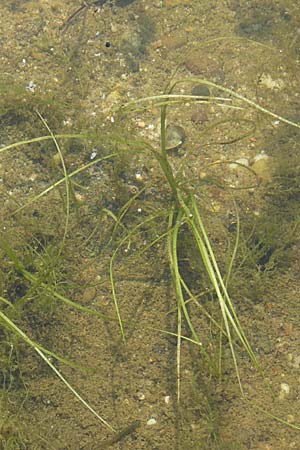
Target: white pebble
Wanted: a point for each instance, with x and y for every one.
(259, 156)
(238, 162)
(140, 396)
(167, 399)
(284, 391)
(151, 421)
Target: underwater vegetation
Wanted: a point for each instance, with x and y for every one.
(75, 208)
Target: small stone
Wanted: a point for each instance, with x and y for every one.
(167, 399)
(284, 391)
(199, 116)
(113, 27)
(151, 422)
(259, 156)
(80, 198)
(201, 90)
(238, 163)
(140, 396)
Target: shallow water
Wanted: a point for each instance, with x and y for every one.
(241, 164)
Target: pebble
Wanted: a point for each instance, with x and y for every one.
(284, 391)
(236, 164)
(140, 396)
(201, 90)
(290, 418)
(199, 116)
(151, 421)
(259, 156)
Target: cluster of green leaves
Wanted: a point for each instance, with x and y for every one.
(33, 270)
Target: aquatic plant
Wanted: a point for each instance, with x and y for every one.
(182, 216)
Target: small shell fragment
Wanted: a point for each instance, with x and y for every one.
(175, 136)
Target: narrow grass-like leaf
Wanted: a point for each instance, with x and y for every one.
(111, 267)
(62, 180)
(36, 282)
(66, 178)
(41, 352)
(40, 139)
